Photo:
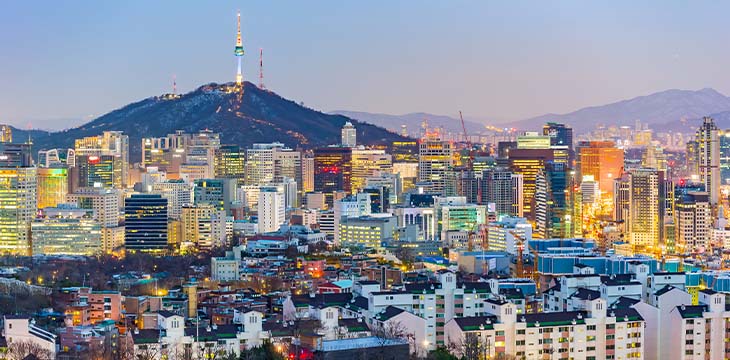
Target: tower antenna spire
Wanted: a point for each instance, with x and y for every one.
(261, 69)
(174, 85)
(238, 50)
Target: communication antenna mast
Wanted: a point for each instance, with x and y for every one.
(261, 69)
(174, 85)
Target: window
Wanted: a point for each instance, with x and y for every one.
(521, 332)
(591, 327)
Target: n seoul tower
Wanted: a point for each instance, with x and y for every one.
(239, 52)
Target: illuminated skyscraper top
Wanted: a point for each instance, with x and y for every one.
(239, 51)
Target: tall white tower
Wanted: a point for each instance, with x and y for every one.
(271, 208)
(349, 135)
(239, 52)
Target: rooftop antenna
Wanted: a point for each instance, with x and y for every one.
(30, 128)
(261, 69)
(174, 85)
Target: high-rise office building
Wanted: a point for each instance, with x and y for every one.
(98, 171)
(603, 161)
(66, 231)
(708, 160)
(266, 162)
(200, 155)
(622, 199)
(52, 186)
(560, 135)
(724, 137)
(503, 188)
(106, 204)
(57, 158)
(332, 171)
(145, 218)
(220, 193)
(15, 155)
(553, 210)
(307, 174)
(271, 209)
(177, 192)
(435, 163)
(528, 162)
(368, 163)
(6, 133)
(461, 217)
(645, 209)
(349, 135)
(110, 143)
(230, 162)
(203, 226)
(693, 222)
(17, 208)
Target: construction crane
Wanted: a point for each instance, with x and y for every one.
(520, 262)
(520, 248)
(468, 142)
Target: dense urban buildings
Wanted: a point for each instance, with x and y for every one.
(222, 226)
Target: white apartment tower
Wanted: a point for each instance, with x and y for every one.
(271, 208)
(349, 135)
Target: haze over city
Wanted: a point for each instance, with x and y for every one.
(385, 180)
(492, 60)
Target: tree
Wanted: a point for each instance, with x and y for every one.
(147, 352)
(266, 351)
(441, 353)
(19, 350)
(388, 331)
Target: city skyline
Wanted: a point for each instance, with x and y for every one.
(435, 58)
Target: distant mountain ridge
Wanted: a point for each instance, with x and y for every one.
(675, 110)
(413, 121)
(243, 118)
(677, 107)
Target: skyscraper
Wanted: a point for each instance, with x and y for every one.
(349, 135)
(724, 156)
(693, 221)
(145, 223)
(6, 133)
(603, 161)
(332, 171)
(645, 210)
(110, 143)
(708, 151)
(435, 162)
(98, 171)
(528, 162)
(503, 188)
(17, 208)
(367, 163)
(204, 226)
(271, 209)
(266, 162)
(560, 135)
(552, 202)
(230, 162)
(52, 186)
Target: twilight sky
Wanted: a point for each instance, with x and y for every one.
(62, 63)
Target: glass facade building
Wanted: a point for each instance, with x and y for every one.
(145, 218)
